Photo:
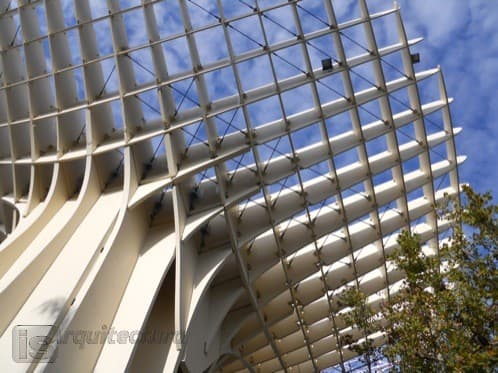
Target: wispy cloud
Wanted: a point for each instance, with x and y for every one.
(462, 37)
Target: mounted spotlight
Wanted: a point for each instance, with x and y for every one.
(327, 64)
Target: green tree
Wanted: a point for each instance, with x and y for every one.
(361, 317)
(445, 317)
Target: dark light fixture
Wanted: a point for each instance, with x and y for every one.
(415, 57)
(327, 64)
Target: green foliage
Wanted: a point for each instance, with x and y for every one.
(445, 317)
(361, 317)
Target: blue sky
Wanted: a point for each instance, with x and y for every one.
(462, 37)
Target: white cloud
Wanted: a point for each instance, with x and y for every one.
(462, 36)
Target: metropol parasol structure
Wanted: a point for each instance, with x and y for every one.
(187, 185)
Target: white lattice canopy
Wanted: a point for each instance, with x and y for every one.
(215, 171)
